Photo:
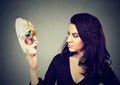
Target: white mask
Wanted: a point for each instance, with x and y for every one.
(26, 34)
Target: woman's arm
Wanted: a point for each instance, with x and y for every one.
(33, 63)
(34, 77)
(50, 76)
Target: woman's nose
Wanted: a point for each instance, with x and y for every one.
(69, 39)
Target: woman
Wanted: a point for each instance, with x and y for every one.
(84, 59)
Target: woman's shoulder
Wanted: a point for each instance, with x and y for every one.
(58, 58)
(109, 77)
(107, 68)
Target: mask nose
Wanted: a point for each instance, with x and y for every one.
(36, 40)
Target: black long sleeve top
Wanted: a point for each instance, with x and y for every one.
(59, 70)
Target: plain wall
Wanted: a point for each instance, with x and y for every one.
(51, 18)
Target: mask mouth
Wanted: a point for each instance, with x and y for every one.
(35, 47)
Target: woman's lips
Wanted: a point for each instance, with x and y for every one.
(35, 47)
(69, 46)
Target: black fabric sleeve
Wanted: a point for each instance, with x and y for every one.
(40, 82)
(109, 77)
(50, 76)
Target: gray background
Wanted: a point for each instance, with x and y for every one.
(51, 17)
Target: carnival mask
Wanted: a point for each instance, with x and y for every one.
(26, 34)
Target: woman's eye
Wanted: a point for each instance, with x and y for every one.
(75, 35)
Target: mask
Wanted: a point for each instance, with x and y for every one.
(26, 34)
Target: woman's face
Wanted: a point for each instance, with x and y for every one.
(75, 44)
(26, 33)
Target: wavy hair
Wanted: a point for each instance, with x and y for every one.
(95, 55)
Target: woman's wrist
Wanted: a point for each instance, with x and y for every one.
(34, 76)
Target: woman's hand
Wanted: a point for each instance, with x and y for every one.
(32, 60)
(33, 63)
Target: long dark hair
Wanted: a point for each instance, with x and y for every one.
(90, 31)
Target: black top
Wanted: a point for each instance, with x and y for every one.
(59, 70)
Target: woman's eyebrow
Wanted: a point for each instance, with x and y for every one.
(75, 33)
(72, 33)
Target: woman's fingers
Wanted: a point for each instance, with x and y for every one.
(32, 59)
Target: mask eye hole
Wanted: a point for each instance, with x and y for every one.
(30, 33)
(27, 34)
(29, 37)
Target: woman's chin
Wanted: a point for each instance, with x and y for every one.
(72, 50)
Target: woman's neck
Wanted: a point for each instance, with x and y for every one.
(78, 55)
